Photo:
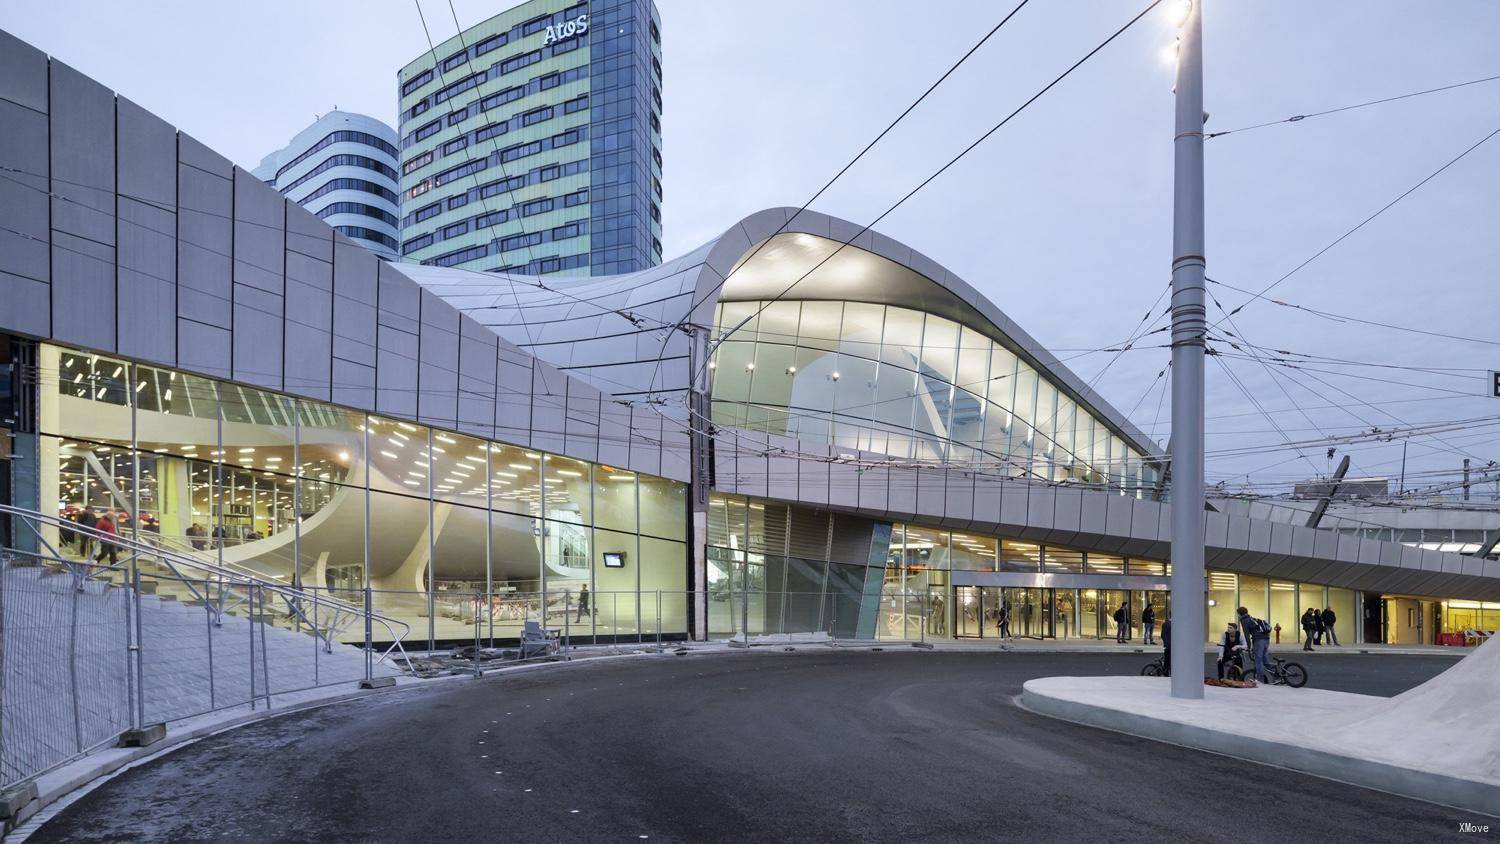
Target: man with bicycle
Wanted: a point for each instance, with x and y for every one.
(1258, 630)
(1230, 645)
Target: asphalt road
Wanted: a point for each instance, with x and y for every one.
(816, 745)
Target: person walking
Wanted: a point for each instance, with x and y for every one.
(1148, 623)
(583, 603)
(1122, 624)
(1258, 630)
(1004, 619)
(1328, 621)
(1230, 645)
(106, 526)
(1309, 628)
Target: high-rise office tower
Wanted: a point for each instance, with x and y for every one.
(531, 142)
(343, 168)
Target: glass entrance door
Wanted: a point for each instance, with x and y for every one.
(968, 612)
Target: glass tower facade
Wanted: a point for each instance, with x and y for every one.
(531, 142)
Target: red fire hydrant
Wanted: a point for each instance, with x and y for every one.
(1277, 628)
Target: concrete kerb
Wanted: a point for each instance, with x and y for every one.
(1439, 789)
(57, 789)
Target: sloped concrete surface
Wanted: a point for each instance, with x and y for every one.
(1439, 741)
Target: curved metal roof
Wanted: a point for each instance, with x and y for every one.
(620, 332)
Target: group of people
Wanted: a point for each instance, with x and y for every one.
(97, 528)
(1148, 624)
(1316, 626)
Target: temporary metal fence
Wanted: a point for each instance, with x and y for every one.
(89, 651)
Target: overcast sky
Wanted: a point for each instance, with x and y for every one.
(1063, 218)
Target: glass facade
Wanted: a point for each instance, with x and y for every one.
(531, 142)
(333, 499)
(897, 381)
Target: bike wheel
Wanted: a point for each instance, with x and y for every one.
(1234, 672)
(1294, 675)
(1151, 670)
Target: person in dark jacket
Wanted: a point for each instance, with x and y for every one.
(1122, 623)
(86, 520)
(1328, 620)
(1258, 631)
(583, 603)
(1003, 619)
(1309, 628)
(1166, 648)
(1230, 645)
(1148, 623)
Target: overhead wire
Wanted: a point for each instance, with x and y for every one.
(1297, 118)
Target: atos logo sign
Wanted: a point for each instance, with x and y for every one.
(566, 30)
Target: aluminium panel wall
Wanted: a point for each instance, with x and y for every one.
(259, 292)
(309, 305)
(82, 144)
(146, 319)
(25, 235)
(205, 238)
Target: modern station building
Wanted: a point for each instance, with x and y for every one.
(874, 451)
(531, 142)
(343, 169)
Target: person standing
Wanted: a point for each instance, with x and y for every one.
(583, 603)
(1328, 621)
(1309, 628)
(1148, 623)
(1166, 647)
(1004, 619)
(86, 520)
(1122, 623)
(1259, 633)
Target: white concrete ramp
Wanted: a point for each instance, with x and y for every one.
(1438, 742)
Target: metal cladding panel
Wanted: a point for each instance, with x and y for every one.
(726, 460)
(400, 301)
(1040, 506)
(1067, 515)
(82, 147)
(781, 468)
(843, 480)
(476, 378)
(147, 207)
(205, 236)
(309, 305)
(1431, 560)
(23, 73)
(583, 422)
(731, 246)
(932, 486)
(1015, 498)
(203, 348)
(874, 489)
(958, 499)
(437, 356)
(989, 492)
(1411, 557)
(1093, 517)
(1348, 548)
(549, 402)
(901, 496)
(397, 343)
(1143, 522)
(614, 436)
(258, 315)
(25, 234)
(1325, 544)
(259, 310)
(1119, 514)
(1281, 540)
(25, 293)
(1390, 553)
(813, 486)
(675, 451)
(512, 395)
(355, 285)
(1369, 551)
(1215, 530)
(750, 463)
(353, 383)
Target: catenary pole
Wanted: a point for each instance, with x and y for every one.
(1188, 330)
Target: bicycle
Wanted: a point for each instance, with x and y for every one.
(1279, 672)
(1155, 668)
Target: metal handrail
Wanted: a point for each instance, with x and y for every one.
(294, 597)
